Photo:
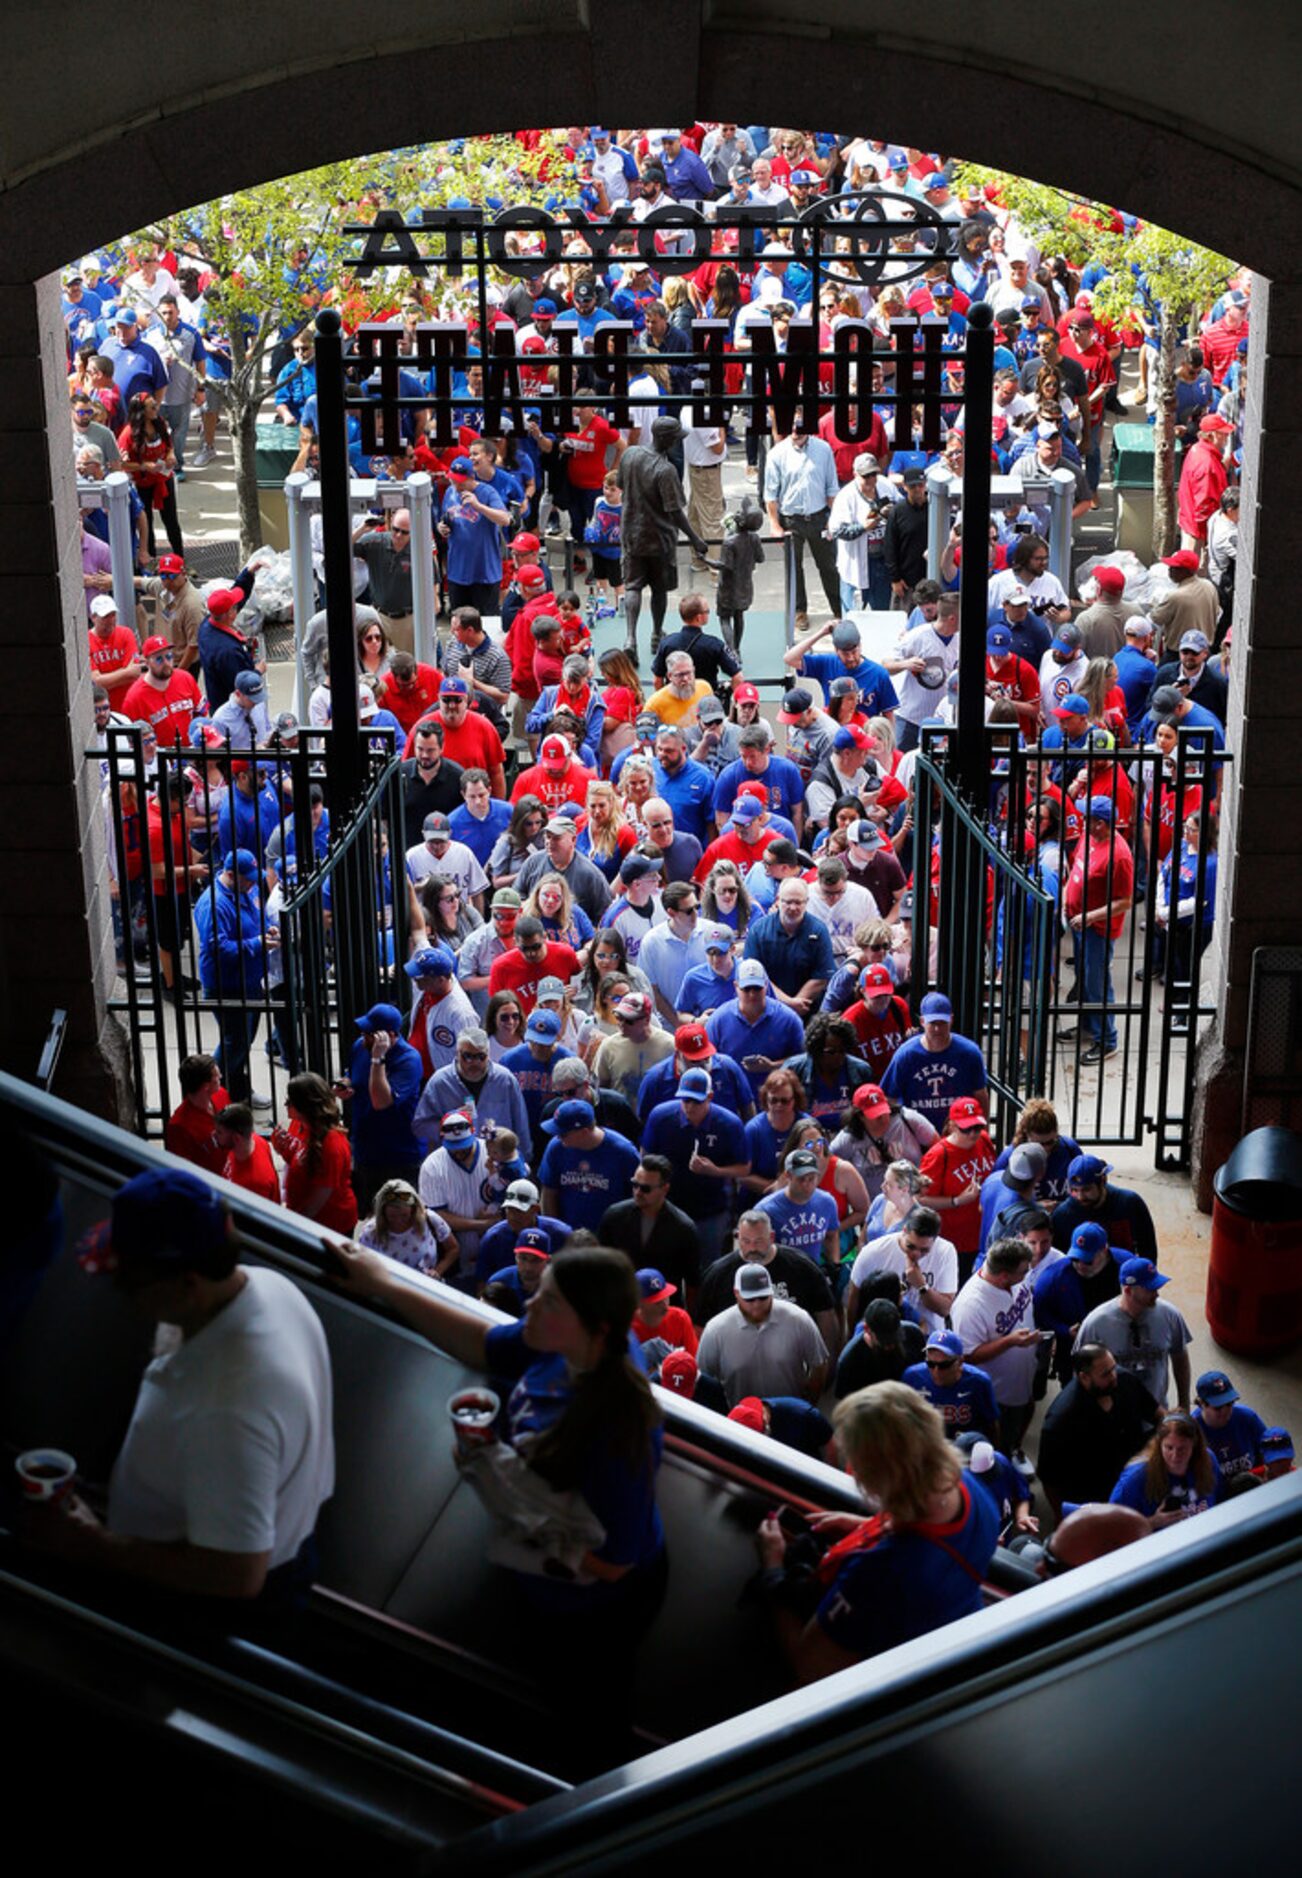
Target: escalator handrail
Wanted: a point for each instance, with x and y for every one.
(805, 1734)
(351, 1735)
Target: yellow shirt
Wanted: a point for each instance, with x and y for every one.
(671, 709)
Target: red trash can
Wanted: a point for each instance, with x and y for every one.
(1254, 1278)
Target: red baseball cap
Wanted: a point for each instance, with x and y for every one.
(1110, 579)
(679, 1372)
(1183, 558)
(530, 575)
(874, 979)
(170, 564)
(871, 1101)
(967, 1112)
(156, 643)
(525, 543)
(749, 1413)
(756, 790)
(225, 600)
(691, 1041)
(745, 693)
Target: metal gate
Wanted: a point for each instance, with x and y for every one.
(998, 884)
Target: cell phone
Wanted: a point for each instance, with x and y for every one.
(752, 1063)
(793, 1524)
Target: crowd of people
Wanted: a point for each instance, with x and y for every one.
(655, 1088)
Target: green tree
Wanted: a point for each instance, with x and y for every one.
(1156, 278)
(277, 253)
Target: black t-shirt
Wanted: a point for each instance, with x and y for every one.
(795, 1278)
(905, 543)
(1071, 372)
(420, 799)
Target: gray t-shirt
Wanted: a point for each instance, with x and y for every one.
(1142, 1345)
(586, 882)
(772, 1358)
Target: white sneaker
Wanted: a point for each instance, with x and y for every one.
(202, 458)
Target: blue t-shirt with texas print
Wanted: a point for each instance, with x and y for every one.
(802, 1226)
(929, 1080)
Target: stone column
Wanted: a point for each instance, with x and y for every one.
(1259, 899)
(56, 945)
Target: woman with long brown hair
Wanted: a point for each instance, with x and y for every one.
(318, 1159)
(582, 1414)
(1175, 1477)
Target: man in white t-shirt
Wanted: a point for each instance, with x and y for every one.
(923, 661)
(994, 1314)
(925, 1264)
(230, 1453)
(438, 853)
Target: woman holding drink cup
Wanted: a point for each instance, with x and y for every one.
(582, 1411)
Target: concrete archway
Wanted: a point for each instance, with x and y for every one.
(91, 148)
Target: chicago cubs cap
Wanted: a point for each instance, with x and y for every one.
(1086, 1169)
(1067, 638)
(1087, 1241)
(693, 1042)
(1214, 1389)
(751, 972)
(241, 861)
(719, 939)
(1143, 1272)
(457, 1125)
(575, 1113)
(522, 1194)
(542, 1027)
(431, 962)
(654, 1286)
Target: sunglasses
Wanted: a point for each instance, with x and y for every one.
(643, 1186)
(940, 1362)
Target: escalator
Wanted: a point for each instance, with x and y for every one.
(397, 1730)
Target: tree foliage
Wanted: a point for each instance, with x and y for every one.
(1156, 280)
(277, 252)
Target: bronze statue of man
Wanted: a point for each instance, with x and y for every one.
(655, 514)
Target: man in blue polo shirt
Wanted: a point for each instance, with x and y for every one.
(706, 1145)
(136, 366)
(756, 1030)
(687, 786)
(929, 1072)
(846, 660)
(794, 948)
(780, 777)
(962, 1394)
(686, 177)
(471, 521)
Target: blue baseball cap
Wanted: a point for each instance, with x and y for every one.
(947, 1340)
(897, 160)
(751, 972)
(381, 1017)
(719, 939)
(746, 810)
(999, 639)
(166, 1217)
(935, 181)
(431, 962)
(1087, 1241)
(1073, 705)
(695, 1085)
(1143, 1272)
(462, 466)
(1101, 808)
(534, 1243)
(803, 179)
(573, 1114)
(455, 688)
(545, 306)
(1086, 1169)
(1276, 1445)
(543, 1027)
(1031, 300)
(241, 861)
(654, 1286)
(937, 1005)
(1214, 1389)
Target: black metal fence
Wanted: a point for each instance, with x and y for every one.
(1099, 1014)
(282, 959)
